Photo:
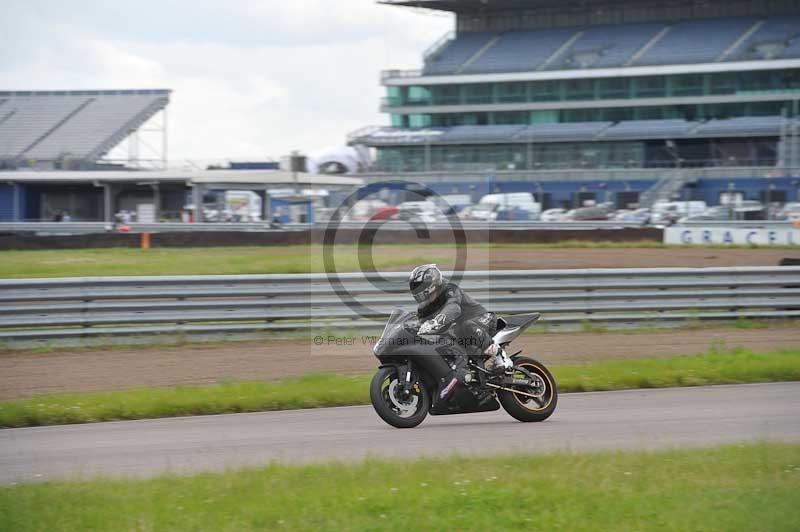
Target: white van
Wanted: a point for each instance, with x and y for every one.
(492, 203)
(671, 211)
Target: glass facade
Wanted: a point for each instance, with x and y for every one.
(602, 114)
(678, 85)
(517, 156)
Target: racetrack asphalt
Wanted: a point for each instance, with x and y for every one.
(630, 419)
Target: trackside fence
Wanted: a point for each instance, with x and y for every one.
(45, 309)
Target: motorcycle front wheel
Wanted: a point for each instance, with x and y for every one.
(534, 403)
(399, 410)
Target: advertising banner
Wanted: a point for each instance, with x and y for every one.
(777, 236)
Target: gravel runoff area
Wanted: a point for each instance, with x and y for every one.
(24, 374)
(521, 258)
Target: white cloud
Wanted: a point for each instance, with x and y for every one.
(250, 78)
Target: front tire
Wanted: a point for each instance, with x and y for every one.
(403, 413)
(528, 409)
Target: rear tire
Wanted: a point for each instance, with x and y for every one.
(525, 408)
(379, 390)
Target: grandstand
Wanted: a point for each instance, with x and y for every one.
(525, 90)
(70, 129)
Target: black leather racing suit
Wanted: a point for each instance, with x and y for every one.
(474, 325)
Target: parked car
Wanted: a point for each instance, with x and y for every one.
(514, 213)
(363, 210)
(519, 200)
(451, 204)
(790, 211)
(419, 211)
(669, 212)
(384, 213)
(484, 212)
(716, 213)
(641, 216)
(595, 212)
(749, 210)
(553, 215)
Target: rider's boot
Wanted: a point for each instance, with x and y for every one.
(498, 361)
(460, 375)
(447, 391)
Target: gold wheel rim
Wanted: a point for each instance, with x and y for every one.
(543, 375)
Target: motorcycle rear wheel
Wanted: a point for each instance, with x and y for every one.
(402, 413)
(523, 407)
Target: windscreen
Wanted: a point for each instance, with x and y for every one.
(394, 326)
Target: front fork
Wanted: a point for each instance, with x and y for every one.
(406, 379)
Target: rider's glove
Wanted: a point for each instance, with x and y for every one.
(427, 327)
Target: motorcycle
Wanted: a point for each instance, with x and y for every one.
(414, 368)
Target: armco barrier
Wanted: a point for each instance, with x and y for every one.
(35, 309)
(220, 235)
(63, 228)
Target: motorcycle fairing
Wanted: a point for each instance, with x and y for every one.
(461, 402)
(510, 327)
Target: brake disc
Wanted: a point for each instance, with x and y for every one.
(403, 406)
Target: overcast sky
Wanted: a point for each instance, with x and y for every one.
(251, 79)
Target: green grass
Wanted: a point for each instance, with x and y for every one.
(198, 261)
(718, 366)
(743, 487)
(256, 259)
(654, 326)
(320, 390)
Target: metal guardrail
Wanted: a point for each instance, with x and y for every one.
(495, 224)
(41, 309)
(64, 228)
(738, 224)
(83, 228)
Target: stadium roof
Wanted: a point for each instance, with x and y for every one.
(206, 177)
(479, 6)
(80, 125)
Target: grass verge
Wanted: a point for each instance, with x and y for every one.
(261, 259)
(200, 261)
(321, 390)
(744, 487)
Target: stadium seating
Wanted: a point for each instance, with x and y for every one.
(100, 119)
(520, 50)
(569, 131)
(692, 41)
(487, 133)
(742, 126)
(695, 41)
(784, 31)
(755, 126)
(642, 129)
(49, 126)
(456, 52)
(613, 47)
(31, 117)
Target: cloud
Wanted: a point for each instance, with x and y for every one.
(250, 78)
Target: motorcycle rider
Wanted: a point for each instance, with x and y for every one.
(442, 304)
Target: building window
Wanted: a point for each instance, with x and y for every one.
(650, 87)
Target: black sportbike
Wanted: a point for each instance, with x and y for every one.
(414, 368)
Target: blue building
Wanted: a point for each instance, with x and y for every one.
(629, 102)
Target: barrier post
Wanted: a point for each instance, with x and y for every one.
(145, 241)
